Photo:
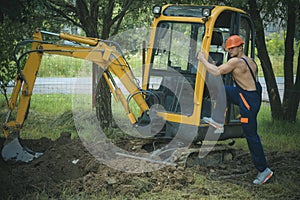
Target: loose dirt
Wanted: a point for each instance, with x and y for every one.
(67, 166)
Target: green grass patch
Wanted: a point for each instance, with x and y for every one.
(275, 135)
(62, 66)
(52, 114)
(49, 115)
(51, 104)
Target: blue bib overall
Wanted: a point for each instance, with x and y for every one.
(249, 103)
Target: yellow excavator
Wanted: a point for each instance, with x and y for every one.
(172, 76)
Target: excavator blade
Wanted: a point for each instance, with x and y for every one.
(14, 151)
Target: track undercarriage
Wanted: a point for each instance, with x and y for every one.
(159, 151)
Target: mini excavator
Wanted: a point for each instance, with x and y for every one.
(175, 81)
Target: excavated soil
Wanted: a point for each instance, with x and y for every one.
(67, 166)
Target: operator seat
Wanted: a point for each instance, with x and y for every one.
(217, 40)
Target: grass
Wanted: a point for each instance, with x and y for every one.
(52, 114)
(279, 135)
(202, 189)
(49, 115)
(275, 135)
(61, 66)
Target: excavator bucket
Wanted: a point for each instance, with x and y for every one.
(14, 151)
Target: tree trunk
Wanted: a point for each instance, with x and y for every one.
(101, 97)
(103, 94)
(271, 84)
(103, 102)
(289, 98)
(295, 97)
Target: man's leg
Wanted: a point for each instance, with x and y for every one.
(218, 99)
(256, 150)
(254, 142)
(232, 95)
(248, 111)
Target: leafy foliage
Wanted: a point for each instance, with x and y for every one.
(18, 20)
(275, 44)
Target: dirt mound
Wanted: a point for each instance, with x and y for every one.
(67, 166)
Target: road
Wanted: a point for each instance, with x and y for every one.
(280, 85)
(83, 86)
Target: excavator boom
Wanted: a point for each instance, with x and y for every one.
(106, 54)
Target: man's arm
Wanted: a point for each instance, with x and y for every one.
(213, 69)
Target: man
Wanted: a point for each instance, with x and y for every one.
(246, 94)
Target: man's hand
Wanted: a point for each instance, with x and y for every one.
(210, 67)
(201, 56)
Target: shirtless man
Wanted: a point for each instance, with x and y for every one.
(247, 95)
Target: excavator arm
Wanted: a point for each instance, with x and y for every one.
(106, 54)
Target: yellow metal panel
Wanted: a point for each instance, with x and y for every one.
(193, 119)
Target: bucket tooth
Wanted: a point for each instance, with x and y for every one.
(14, 151)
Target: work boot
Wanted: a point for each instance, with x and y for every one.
(263, 177)
(218, 126)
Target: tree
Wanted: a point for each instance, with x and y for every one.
(18, 20)
(291, 90)
(10, 18)
(265, 61)
(287, 10)
(263, 12)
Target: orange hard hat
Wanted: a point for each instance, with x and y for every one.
(234, 41)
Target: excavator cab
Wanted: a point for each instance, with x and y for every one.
(174, 73)
(175, 93)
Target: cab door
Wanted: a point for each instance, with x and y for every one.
(231, 22)
(247, 32)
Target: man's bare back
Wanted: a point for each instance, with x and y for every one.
(242, 74)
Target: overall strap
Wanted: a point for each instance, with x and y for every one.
(257, 84)
(249, 69)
